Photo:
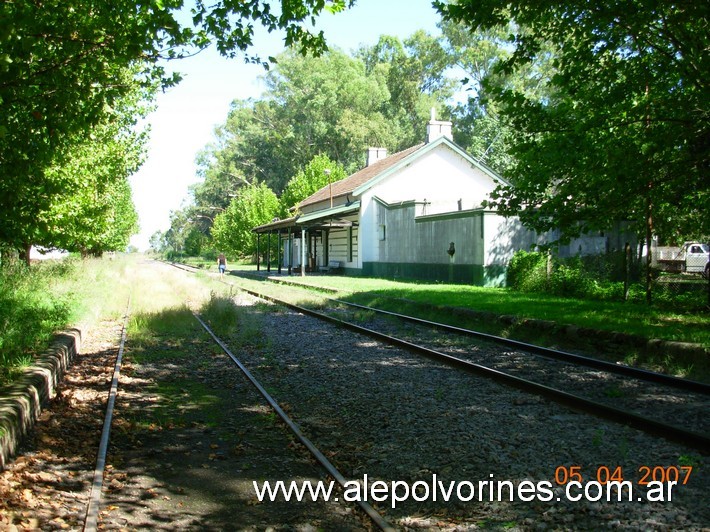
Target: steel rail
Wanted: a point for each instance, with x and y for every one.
(555, 354)
(642, 374)
(92, 509)
(669, 432)
(317, 454)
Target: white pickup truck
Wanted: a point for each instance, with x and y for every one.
(691, 257)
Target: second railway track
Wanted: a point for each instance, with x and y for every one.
(693, 438)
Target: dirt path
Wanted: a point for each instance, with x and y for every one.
(46, 487)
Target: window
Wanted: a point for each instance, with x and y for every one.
(381, 232)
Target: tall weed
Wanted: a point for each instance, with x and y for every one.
(598, 278)
(31, 310)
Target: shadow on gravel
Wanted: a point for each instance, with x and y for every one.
(191, 436)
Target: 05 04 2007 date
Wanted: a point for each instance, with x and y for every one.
(645, 474)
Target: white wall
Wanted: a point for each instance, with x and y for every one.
(503, 237)
(441, 177)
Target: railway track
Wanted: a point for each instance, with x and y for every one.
(360, 434)
(92, 508)
(376, 518)
(690, 392)
(665, 430)
(91, 522)
(652, 395)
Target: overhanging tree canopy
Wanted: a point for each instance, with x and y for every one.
(61, 65)
(624, 133)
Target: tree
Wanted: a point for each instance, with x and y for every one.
(96, 213)
(624, 133)
(232, 230)
(62, 65)
(317, 174)
(477, 56)
(333, 105)
(157, 242)
(414, 72)
(312, 105)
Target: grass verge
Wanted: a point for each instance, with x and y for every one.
(630, 318)
(37, 301)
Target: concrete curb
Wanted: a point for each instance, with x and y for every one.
(655, 345)
(21, 402)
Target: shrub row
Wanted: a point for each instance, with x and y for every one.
(599, 277)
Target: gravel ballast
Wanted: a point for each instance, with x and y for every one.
(395, 416)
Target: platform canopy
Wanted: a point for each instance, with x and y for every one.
(325, 218)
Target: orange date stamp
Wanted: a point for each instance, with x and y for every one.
(644, 475)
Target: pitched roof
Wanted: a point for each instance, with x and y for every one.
(359, 178)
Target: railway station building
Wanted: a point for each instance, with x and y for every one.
(414, 214)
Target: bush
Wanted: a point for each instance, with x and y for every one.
(581, 277)
(570, 279)
(173, 256)
(30, 311)
(527, 272)
(209, 254)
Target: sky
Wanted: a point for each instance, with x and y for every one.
(186, 115)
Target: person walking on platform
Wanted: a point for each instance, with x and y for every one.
(221, 264)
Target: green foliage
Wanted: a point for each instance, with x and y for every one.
(173, 240)
(63, 66)
(414, 72)
(598, 278)
(30, 310)
(321, 112)
(575, 277)
(63, 74)
(334, 105)
(570, 279)
(157, 242)
(622, 133)
(310, 180)
(194, 241)
(527, 271)
(232, 229)
(480, 128)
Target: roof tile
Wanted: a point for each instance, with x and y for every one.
(350, 183)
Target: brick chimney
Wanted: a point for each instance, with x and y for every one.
(375, 154)
(437, 128)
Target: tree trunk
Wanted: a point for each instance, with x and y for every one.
(627, 270)
(25, 253)
(649, 237)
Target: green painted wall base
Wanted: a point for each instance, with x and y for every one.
(474, 274)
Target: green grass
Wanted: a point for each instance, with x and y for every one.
(49, 296)
(35, 302)
(164, 335)
(211, 265)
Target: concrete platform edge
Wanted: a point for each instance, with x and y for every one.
(22, 401)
